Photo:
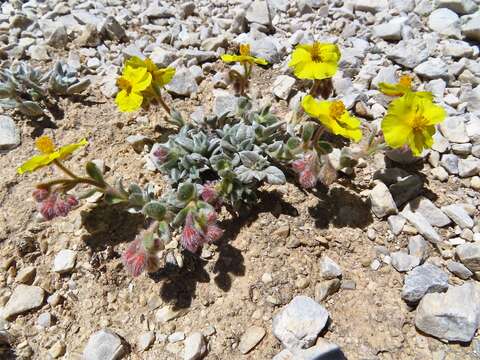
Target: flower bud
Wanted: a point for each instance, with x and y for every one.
(135, 258)
(40, 194)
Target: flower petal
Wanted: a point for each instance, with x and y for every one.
(36, 162)
(66, 150)
(128, 102)
(434, 114)
(395, 126)
(229, 58)
(163, 76)
(315, 108)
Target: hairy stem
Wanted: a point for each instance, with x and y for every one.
(64, 169)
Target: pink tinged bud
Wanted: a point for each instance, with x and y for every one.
(191, 239)
(71, 200)
(40, 194)
(161, 154)
(213, 233)
(299, 165)
(47, 208)
(61, 208)
(209, 194)
(307, 179)
(135, 258)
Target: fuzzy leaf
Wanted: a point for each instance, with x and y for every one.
(155, 210)
(250, 158)
(307, 131)
(30, 108)
(180, 217)
(186, 192)
(94, 172)
(324, 147)
(78, 87)
(275, 176)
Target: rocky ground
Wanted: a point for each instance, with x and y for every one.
(382, 265)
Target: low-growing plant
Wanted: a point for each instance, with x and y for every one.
(220, 162)
(32, 92)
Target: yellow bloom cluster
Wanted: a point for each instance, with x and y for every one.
(141, 81)
(411, 121)
(48, 154)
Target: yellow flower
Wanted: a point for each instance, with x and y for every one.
(334, 116)
(132, 82)
(411, 120)
(160, 76)
(403, 86)
(48, 154)
(244, 57)
(316, 61)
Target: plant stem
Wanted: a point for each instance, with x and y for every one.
(75, 181)
(318, 133)
(163, 104)
(64, 169)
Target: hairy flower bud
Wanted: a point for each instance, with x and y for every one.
(213, 233)
(161, 154)
(192, 238)
(209, 194)
(135, 258)
(40, 194)
(47, 207)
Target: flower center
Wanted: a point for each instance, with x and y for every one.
(245, 49)
(316, 53)
(337, 109)
(45, 145)
(406, 81)
(124, 84)
(418, 122)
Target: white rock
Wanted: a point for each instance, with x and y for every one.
(456, 48)
(298, 324)
(461, 7)
(176, 337)
(259, 13)
(24, 298)
(145, 340)
(195, 347)
(445, 22)
(104, 345)
(382, 201)
(224, 102)
(471, 29)
(403, 262)
(282, 86)
(64, 261)
(430, 212)
(469, 255)
(422, 225)
(9, 134)
(434, 68)
(453, 128)
(372, 6)
(452, 316)
(329, 269)
(468, 167)
(458, 214)
(417, 246)
(409, 53)
(391, 30)
(250, 338)
(183, 83)
(422, 280)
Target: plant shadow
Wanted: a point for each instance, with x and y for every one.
(179, 285)
(110, 225)
(341, 208)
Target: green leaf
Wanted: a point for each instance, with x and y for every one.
(293, 143)
(307, 131)
(94, 172)
(324, 147)
(186, 192)
(155, 210)
(180, 217)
